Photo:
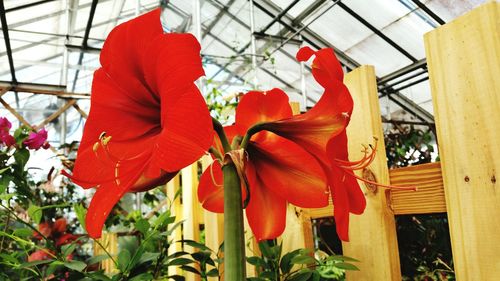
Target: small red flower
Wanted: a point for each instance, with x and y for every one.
(41, 255)
(37, 140)
(147, 120)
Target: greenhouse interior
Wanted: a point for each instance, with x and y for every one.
(167, 140)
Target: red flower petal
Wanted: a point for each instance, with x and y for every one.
(290, 171)
(256, 107)
(211, 190)
(60, 225)
(266, 211)
(304, 53)
(313, 129)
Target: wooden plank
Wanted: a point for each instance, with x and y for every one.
(55, 114)
(190, 210)
(430, 195)
(172, 187)
(463, 58)
(214, 223)
(372, 234)
(109, 241)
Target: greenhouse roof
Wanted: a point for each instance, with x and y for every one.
(53, 46)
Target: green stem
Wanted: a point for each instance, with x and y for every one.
(222, 136)
(234, 244)
(252, 131)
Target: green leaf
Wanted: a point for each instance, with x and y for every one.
(68, 249)
(23, 232)
(123, 259)
(143, 226)
(345, 266)
(96, 259)
(214, 272)
(81, 212)
(34, 263)
(22, 156)
(4, 169)
(195, 244)
(75, 265)
(177, 277)
(180, 261)
(35, 213)
(285, 264)
(302, 275)
(190, 269)
(147, 257)
(302, 259)
(176, 255)
(256, 261)
(341, 258)
(4, 182)
(142, 277)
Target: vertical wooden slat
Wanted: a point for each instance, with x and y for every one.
(214, 223)
(373, 234)
(190, 210)
(463, 58)
(173, 186)
(109, 241)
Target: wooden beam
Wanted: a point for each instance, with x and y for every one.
(80, 110)
(109, 241)
(430, 196)
(55, 114)
(15, 113)
(372, 234)
(464, 68)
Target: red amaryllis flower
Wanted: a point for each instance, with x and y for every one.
(37, 140)
(278, 170)
(147, 119)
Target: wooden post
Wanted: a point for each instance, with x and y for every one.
(214, 223)
(463, 58)
(191, 211)
(372, 234)
(109, 241)
(173, 186)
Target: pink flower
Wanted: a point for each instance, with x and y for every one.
(5, 137)
(37, 140)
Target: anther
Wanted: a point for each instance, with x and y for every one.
(105, 140)
(102, 135)
(95, 147)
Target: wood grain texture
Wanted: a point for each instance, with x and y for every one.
(172, 187)
(109, 241)
(191, 211)
(372, 234)
(463, 58)
(214, 223)
(430, 195)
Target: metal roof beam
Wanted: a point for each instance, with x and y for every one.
(5, 30)
(29, 5)
(376, 31)
(429, 12)
(411, 107)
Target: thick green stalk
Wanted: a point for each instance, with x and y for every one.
(234, 244)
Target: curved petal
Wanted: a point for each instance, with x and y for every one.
(256, 107)
(313, 129)
(109, 193)
(326, 67)
(340, 203)
(211, 189)
(266, 211)
(290, 171)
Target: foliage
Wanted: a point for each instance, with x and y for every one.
(425, 251)
(221, 107)
(407, 145)
(300, 264)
